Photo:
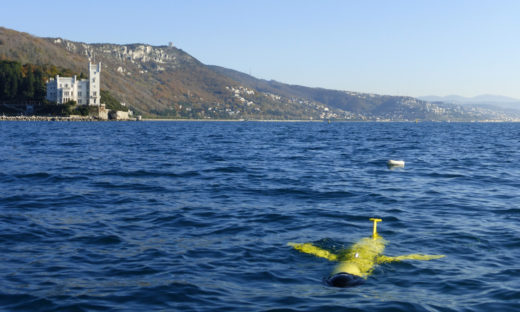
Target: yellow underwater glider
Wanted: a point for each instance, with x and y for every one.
(357, 262)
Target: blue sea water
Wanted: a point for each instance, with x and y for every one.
(196, 216)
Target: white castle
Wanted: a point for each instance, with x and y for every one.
(84, 91)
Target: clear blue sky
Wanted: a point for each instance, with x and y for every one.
(407, 47)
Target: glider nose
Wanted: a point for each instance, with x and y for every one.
(345, 280)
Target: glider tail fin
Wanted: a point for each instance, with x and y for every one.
(313, 250)
(383, 259)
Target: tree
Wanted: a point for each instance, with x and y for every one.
(39, 85)
(27, 86)
(68, 107)
(10, 78)
(111, 102)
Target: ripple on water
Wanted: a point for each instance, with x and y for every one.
(197, 216)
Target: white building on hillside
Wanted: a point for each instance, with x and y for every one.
(84, 92)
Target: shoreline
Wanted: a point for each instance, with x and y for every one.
(91, 118)
(47, 118)
(55, 118)
(233, 120)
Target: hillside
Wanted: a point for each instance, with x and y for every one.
(164, 81)
(490, 101)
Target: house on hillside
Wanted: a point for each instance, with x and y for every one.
(84, 91)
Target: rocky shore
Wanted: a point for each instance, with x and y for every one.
(48, 118)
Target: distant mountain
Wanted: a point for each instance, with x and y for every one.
(482, 100)
(164, 81)
(362, 105)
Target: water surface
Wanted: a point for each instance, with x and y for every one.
(195, 216)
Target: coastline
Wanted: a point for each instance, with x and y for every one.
(232, 120)
(91, 118)
(48, 118)
(57, 118)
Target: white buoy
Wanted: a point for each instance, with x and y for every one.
(395, 163)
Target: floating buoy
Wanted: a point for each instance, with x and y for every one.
(395, 163)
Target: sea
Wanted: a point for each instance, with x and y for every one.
(196, 216)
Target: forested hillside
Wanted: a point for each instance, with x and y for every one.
(21, 83)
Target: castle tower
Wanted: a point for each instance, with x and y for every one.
(94, 71)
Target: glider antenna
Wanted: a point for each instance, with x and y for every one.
(374, 230)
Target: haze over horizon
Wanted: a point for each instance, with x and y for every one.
(399, 48)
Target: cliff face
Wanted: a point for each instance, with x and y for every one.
(166, 81)
(136, 54)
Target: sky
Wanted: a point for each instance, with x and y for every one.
(395, 47)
